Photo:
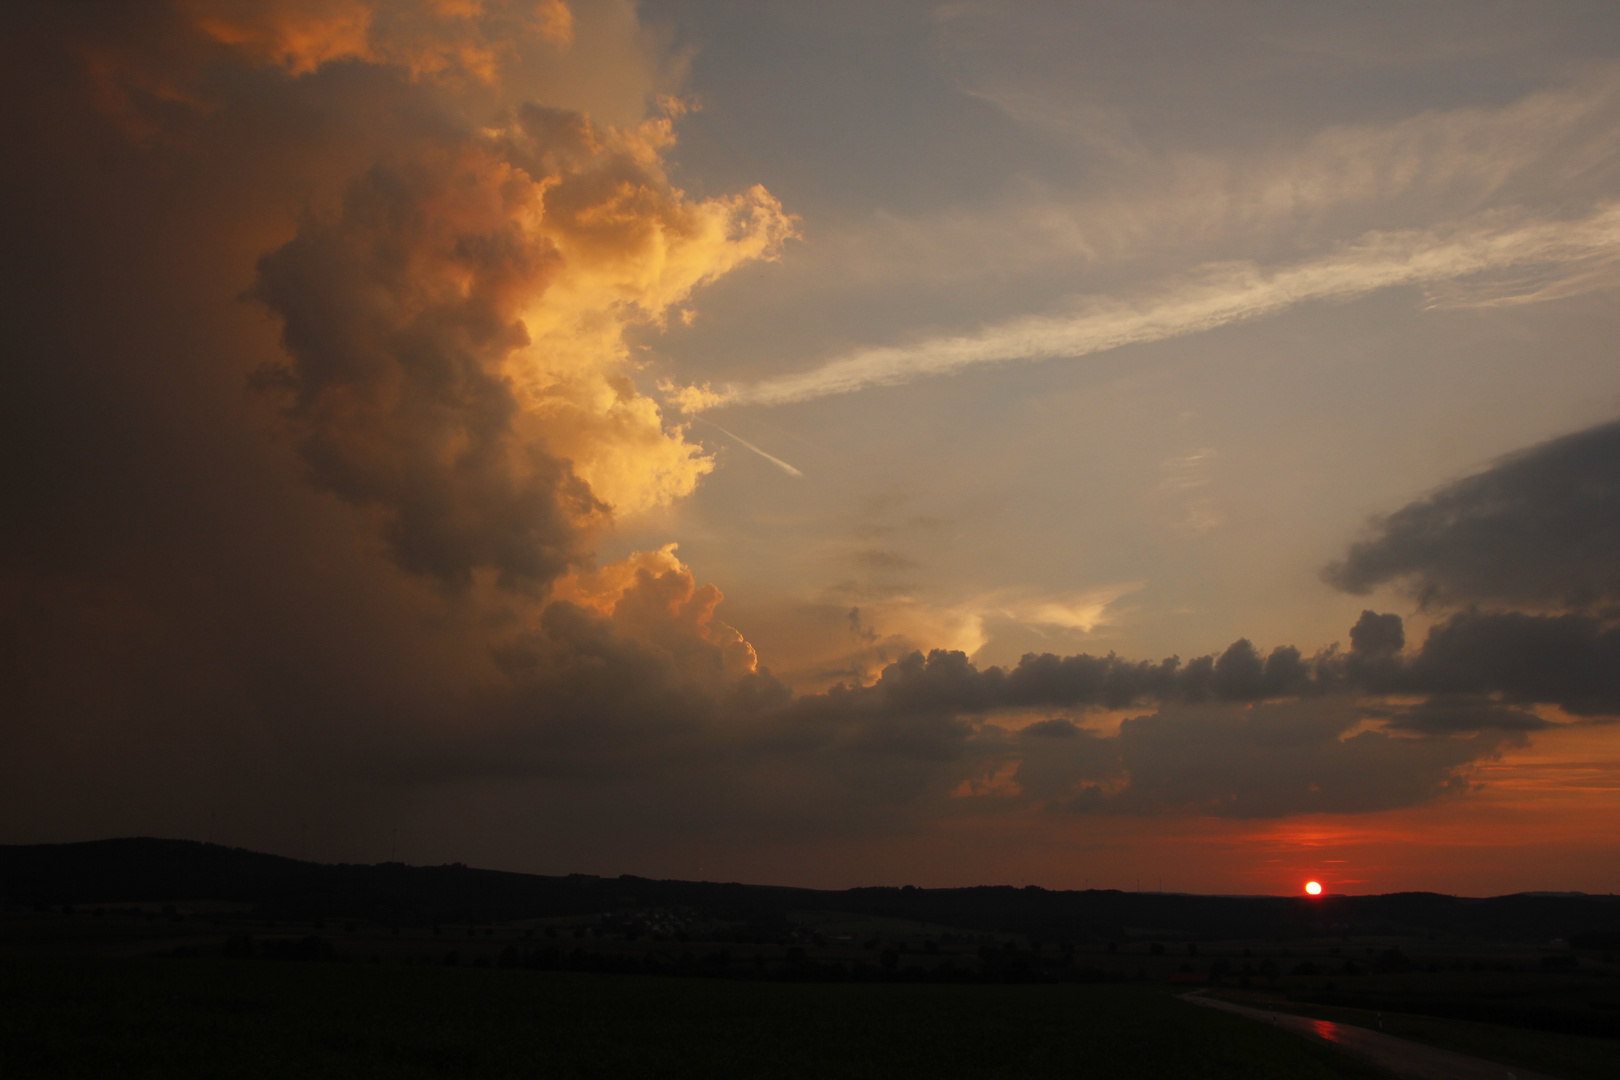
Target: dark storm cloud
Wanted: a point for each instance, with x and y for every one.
(1376, 635)
(1572, 661)
(1215, 745)
(597, 703)
(1058, 760)
(397, 318)
(1220, 743)
(1539, 529)
(1449, 716)
(946, 681)
(1279, 759)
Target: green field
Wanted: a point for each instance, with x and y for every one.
(168, 1017)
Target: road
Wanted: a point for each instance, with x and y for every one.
(1404, 1058)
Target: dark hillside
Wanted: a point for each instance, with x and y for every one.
(149, 870)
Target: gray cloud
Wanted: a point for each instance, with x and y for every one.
(1377, 636)
(1572, 661)
(1450, 716)
(1279, 759)
(1539, 529)
(590, 702)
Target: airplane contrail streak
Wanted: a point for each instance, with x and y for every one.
(778, 462)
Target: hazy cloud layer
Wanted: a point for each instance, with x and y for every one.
(1144, 204)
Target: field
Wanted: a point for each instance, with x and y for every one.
(296, 969)
(179, 1017)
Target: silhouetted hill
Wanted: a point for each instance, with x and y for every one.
(145, 870)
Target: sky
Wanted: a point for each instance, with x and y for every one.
(1121, 445)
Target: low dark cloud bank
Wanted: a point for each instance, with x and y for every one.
(1572, 661)
(288, 540)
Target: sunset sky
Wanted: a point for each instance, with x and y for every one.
(1118, 444)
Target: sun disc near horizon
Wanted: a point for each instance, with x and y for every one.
(1314, 888)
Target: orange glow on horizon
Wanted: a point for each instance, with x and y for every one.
(1314, 888)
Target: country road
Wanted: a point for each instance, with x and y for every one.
(1402, 1057)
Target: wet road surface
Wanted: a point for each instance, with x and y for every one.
(1406, 1059)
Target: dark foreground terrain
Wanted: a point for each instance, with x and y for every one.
(169, 958)
(71, 1017)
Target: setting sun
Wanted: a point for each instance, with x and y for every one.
(1314, 888)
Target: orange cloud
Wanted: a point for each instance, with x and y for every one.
(434, 38)
(632, 247)
(299, 35)
(163, 53)
(652, 597)
(455, 329)
(554, 21)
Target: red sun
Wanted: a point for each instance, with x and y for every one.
(1314, 888)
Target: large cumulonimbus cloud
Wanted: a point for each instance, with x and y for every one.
(454, 335)
(451, 239)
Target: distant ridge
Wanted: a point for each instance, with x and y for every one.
(147, 870)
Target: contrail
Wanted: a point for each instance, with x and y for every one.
(778, 462)
(1564, 255)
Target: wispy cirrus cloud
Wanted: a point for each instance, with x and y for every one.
(1581, 252)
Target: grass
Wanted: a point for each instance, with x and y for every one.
(160, 1017)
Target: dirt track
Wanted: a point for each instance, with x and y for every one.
(1402, 1057)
